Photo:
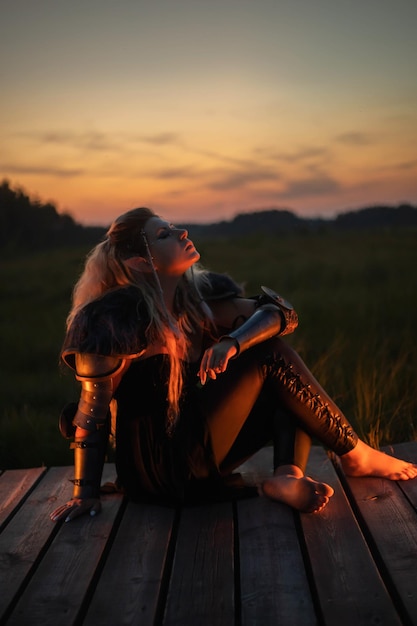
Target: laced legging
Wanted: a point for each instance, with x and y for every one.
(268, 393)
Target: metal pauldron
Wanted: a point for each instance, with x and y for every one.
(288, 314)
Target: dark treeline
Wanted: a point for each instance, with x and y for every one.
(279, 221)
(28, 225)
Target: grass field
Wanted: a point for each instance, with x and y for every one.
(356, 295)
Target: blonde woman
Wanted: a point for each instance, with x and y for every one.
(198, 378)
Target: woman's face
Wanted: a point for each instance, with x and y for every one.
(172, 252)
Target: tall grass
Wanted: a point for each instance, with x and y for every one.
(356, 295)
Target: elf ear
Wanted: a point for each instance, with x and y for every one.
(138, 263)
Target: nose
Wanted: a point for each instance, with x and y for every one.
(183, 233)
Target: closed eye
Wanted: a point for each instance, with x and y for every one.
(165, 232)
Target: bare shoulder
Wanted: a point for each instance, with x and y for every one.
(231, 312)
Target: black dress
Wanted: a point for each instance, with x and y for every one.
(148, 460)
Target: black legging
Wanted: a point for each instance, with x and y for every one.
(268, 393)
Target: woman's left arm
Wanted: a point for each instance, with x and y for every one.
(251, 322)
(227, 314)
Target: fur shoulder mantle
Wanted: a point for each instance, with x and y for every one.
(112, 325)
(220, 287)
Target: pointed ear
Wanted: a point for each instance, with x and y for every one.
(138, 263)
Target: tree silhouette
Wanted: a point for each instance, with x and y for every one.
(28, 225)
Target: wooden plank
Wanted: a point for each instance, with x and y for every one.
(14, 486)
(392, 522)
(349, 585)
(274, 585)
(259, 467)
(202, 581)
(129, 586)
(23, 540)
(408, 452)
(60, 583)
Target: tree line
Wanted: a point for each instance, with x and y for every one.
(28, 225)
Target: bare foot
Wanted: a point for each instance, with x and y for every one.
(290, 486)
(366, 461)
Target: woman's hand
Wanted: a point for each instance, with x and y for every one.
(75, 507)
(216, 358)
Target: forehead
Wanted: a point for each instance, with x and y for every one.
(154, 224)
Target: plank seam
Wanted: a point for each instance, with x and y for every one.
(24, 584)
(91, 588)
(373, 548)
(21, 502)
(236, 564)
(308, 570)
(167, 571)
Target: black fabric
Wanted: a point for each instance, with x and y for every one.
(149, 461)
(151, 464)
(237, 412)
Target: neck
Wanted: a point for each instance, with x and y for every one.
(169, 286)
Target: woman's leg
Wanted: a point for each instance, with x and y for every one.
(276, 368)
(300, 393)
(289, 484)
(290, 443)
(272, 377)
(263, 424)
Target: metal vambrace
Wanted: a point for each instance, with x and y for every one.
(90, 450)
(265, 323)
(89, 455)
(89, 421)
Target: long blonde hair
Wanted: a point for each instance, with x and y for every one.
(105, 270)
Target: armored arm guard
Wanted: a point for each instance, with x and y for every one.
(96, 374)
(103, 337)
(288, 315)
(273, 317)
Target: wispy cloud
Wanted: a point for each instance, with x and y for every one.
(98, 141)
(59, 172)
(355, 138)
(402, 166)
(160, 139)
(306, 153)
(406, 165)
(315, 186)
(236, 179)
(173, 173)
(89, 141)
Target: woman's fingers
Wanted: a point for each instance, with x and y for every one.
(58, 513)
(75, 508)
(62, 512)
(215, 361)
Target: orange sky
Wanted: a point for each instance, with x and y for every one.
(206, 109)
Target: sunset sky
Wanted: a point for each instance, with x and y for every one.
(203, 109)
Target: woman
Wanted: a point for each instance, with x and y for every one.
(197, 378)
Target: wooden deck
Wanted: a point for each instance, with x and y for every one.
(245, 561)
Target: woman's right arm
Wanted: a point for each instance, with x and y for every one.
(99, 377)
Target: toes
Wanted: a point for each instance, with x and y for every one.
(318, 507)
(323, 489)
